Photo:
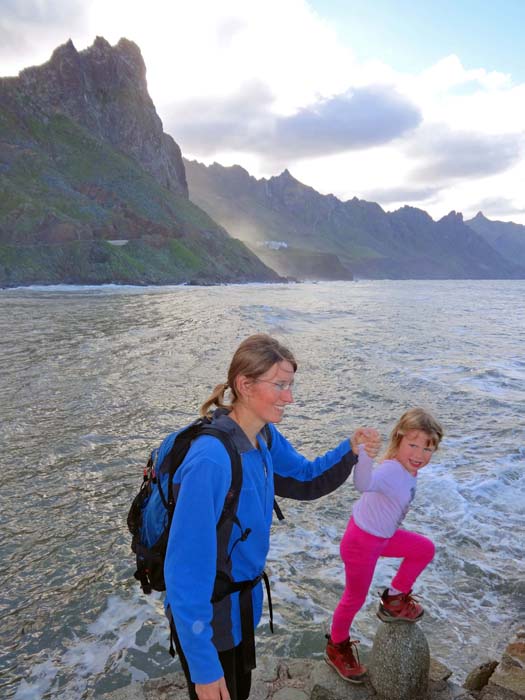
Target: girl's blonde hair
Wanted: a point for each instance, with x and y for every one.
(254, 356)
(414, 419)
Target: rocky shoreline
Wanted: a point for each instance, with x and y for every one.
(309, 679)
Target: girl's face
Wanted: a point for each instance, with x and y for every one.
(415, 451)
(271, 392)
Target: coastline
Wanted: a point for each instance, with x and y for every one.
(288, 679)
(313, 679)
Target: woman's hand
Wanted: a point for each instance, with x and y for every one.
(369, 438)
(213, 691)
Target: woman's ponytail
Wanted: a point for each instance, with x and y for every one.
(216, 398)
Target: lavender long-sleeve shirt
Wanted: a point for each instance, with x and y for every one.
(387, 492)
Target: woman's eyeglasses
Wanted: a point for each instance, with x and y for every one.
(280, 386)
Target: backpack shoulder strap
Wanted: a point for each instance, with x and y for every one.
(178, 452)
(232, 497)
(174, 459)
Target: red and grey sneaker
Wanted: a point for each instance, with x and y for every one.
(399, 608)
(344, 659)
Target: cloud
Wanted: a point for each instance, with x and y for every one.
(447, 154)
(33, 28)
(40, 12)
(391, 195)
(449, 75)
(204, 126)
(356, 119)
(359, 118)
(228, 29)
(498, 206)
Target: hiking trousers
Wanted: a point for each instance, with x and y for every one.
(238, 681)
(360, 551)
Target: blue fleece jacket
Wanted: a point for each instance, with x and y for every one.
(196, 550)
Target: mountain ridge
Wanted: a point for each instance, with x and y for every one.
(507, 237)
(93, 190)
(368, 241)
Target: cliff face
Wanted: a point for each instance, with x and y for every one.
(104, 90)
(92, 190)
(406, 244)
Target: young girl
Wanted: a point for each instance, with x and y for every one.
(373, 532)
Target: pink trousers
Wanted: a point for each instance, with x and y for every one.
(360, 552)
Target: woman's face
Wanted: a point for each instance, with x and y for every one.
(268, 395)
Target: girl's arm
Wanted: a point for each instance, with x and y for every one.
(363, 472)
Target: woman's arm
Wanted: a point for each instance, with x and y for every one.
(302, 479)
(191, 556)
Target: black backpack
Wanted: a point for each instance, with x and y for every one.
(149, 520)
(151, 512)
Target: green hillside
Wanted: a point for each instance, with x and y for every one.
(64, 195)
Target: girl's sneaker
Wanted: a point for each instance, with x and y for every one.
(399, 608)
(342, 658)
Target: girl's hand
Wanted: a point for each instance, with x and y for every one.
(212, 691)
(369, 438)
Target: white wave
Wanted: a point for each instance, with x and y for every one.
(109, 637)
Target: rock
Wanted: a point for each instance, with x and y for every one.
(507, 686)
(319, 693)
(514, 654)
(282, 679)
(438, 672)
(400, 662)
(508, 680)
(439, 675)
(172, 686)
(273, 679)
(290, 694)
(479, 677)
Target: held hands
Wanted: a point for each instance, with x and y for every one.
(212, 691)
(369, 438)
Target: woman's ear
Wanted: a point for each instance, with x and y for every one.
(244, 386)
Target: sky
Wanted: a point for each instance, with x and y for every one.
(401, 102)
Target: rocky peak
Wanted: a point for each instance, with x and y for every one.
(64, 52)
(103, 88)
(233, 178)
(232, 171)
(413, 214)
(364, 204)
(286, 182)
(286, 175)
(103, 45)
(452, 218)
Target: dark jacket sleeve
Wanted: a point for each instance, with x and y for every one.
(305, 480)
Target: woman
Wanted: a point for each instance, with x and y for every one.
(212, 638)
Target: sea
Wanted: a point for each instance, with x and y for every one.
(92, 378)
